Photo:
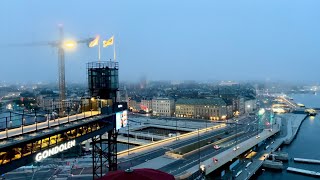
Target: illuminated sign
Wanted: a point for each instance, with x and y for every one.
(121, 119)
(42, 155)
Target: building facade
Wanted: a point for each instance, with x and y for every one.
(134, 105)
(146, 105)
(163, 107)
(184, 109)
(250, 105)
(50, 104)
(238, 105)
(229, 111)
(213, 109)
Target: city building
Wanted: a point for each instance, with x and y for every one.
(185, 108)
(163, 107)
(238, 105)
(229, 111)
(250, 105)
(51, 104)
(146, 104)
(214, 109)
(134, 105)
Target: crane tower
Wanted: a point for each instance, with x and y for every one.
(61, 68)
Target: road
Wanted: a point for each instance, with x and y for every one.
(44, 173)
(182, 165)
(242, 126)
(263, 123)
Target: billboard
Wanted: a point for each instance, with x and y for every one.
(121, 119)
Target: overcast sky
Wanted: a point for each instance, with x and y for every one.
(166, 39)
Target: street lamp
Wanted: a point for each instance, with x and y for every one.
(176, 128)
(69, 44)
(35, 119)
(199, 147)
(7, 127)
(203, 170)
(236, 132)
(257, 127)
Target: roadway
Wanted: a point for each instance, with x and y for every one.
(33, 173)
(182, 165)
(265, 118)
(247, 124)
(151, 154)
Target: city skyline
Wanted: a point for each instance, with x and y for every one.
(245, 40)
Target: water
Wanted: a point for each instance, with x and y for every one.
(306, 145)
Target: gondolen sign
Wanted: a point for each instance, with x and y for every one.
(62, 147)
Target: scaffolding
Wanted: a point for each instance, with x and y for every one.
(103, 84)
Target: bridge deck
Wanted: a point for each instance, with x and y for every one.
(21, 150)
(45, 125)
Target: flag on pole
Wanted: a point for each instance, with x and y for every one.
(94, 42)
(108, 43)
(114, 52)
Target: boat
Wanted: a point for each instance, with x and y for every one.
(311, 112)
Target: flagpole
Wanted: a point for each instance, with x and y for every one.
(114, 50)
(99, 53)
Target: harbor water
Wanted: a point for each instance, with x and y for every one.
(306, 145)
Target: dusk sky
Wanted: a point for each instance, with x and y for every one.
(166, 40)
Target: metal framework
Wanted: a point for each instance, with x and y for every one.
(104, 154)
(61, 65)
(103, 83)
(103, 80)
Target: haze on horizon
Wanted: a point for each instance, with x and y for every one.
(166, 40)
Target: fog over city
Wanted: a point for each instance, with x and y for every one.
(165, 40)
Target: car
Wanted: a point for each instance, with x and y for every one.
(216, 147)
(257, 136)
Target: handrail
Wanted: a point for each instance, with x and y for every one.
(170, 139)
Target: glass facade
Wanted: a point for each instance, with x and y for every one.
(103, 82)
(10, 154)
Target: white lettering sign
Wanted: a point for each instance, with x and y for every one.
(46, 153)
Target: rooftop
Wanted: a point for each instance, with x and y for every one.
(213, 101)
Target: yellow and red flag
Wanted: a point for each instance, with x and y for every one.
(109, 42)
(94, 42)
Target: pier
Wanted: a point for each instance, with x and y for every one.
(282, 156)
(303, 171)
(272, 164)
(294, 123)
(311, 161)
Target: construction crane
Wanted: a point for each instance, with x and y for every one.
(60, 44)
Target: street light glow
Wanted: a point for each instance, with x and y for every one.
(69, 44)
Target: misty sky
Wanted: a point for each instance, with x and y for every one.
(163, 40)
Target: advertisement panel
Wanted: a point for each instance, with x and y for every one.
(121, 119)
